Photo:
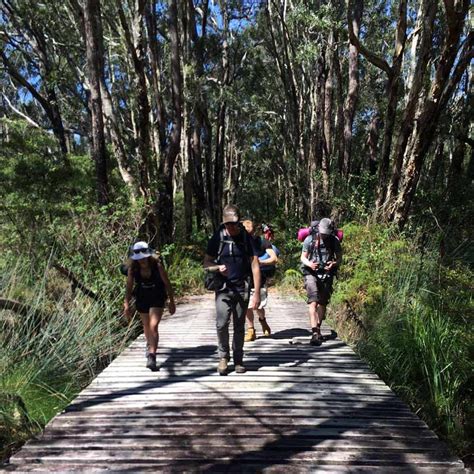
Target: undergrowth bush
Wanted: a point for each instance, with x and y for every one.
(63, 338)
(50, 352)
(416, 314)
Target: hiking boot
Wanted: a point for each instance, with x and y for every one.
(316, 339)
(222, 367)
(240, 369)
(265, 327)
(151, 362)
(250, 336)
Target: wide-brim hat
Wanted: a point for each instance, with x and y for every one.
(141, 250)
(326, 226)
(230, 215)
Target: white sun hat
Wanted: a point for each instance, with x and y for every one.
(141, 250)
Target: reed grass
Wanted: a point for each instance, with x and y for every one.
(45, 362)
(417, 336)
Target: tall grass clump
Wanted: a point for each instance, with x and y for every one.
(184, 267)
(415, 312)
(50, 352)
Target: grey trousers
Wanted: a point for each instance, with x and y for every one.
(231, 304)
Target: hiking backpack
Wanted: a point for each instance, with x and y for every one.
(213, 281)
(305, 231)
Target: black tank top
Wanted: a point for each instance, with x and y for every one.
(154, 282)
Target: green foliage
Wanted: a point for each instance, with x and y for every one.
(50, 354)
(416, 313)
(184, 266)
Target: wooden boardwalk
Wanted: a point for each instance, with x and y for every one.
(298, 409)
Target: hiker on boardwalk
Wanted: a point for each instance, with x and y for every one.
(321, 257)
(231, 258)
(267, 266)
(148, 281)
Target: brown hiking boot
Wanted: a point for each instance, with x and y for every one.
(240, 369)
(265, 327)
(250, 336)
(222, 367)
(316, 339)
(151, 362)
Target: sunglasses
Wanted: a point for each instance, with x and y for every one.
(141, 251)
(231, 223)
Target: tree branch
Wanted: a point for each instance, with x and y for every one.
(20, 113)
(377, 61)
(75, 282)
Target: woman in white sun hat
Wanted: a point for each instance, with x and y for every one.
(148, 281)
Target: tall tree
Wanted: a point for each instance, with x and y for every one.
(354, 17)
(456, 54)
(94, 52)
(164, 202)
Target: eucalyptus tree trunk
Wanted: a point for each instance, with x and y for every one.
(452, 63)
(94, 52)
(201, 142)
(466, 109)
(372, 143)
(164, 203)
(428, 10)
(394, 83)
(322, 146)
(186, 156)
(394, 78)
(233, 166)
(158, 107)
(115, 132)
(437, 165)
(134, 39)
(354, 19)
(329, 96)
(338, 143)
(111, 115)
(219, 156)
(294, 84)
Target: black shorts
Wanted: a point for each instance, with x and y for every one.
(147, 299)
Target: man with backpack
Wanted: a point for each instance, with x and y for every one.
(321, 257)
(267, 260)
(232, 256)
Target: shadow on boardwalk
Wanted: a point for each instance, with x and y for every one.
(331, 424)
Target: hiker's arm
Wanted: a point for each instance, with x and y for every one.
(169, 288)
(305, 261)
(128, 293)
(336, 263)
(210, 264)
(255, 303)
(269, 261)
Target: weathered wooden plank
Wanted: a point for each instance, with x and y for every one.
(162, 403)
(237, 411)
(219, 421)
(277, 452)
(180, 441)
(201, 430)
(298, 409)
(241, 467)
